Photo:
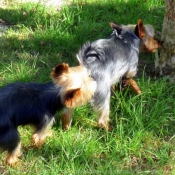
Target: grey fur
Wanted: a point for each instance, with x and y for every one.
(108, 60)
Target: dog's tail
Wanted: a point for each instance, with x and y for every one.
(82, 53)
(90, 54)
(77, 87)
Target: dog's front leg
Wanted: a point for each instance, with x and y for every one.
(132, 84)
(128, 80)
(67, 118)
(42, 131)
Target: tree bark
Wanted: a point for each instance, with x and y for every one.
(165, 64)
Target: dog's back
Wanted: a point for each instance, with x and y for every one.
(113, 57)
(20, 100)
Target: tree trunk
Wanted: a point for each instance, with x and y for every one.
(165, 64)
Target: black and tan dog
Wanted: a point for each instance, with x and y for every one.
(110, 60)
(36, 104)
(148, 44)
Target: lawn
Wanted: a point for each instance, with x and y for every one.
(142, 137)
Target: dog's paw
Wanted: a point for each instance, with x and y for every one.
(124, 83)
(105, 126)
(38, 140)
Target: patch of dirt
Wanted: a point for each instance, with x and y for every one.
(3, 27)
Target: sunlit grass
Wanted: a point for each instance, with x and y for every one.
(142, 136)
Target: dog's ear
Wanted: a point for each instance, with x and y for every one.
(116, 27)
(59, 69)
(140, 29)
(71, 98)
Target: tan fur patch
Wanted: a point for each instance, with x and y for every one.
(133, 85)
(66, 118)
(151, 44)
(72, 97)
(141, 29)
(77, 87)
(12, 158)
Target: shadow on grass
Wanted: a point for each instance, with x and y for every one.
(62, 32)
(52, 37)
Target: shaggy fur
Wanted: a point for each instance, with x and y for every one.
(121, 53)
(147, 34)
(108, 61)
(36, 104)
(112, 60)
(148, 44)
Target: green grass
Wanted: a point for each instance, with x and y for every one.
(142, 139)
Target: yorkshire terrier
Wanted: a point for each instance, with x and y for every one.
(36, 104)
(109, 60)
(148, 44)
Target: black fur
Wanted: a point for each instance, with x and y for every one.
(26, 103)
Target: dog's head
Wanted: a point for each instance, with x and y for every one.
(77, 87)
(145, 33)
